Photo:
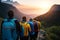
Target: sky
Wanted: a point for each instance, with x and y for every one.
(38, 2)
(43, 5)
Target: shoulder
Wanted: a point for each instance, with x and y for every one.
(5, 19)
(14, 19)
(39, 22)
(30, 22)
(20, 23)
(27, 24)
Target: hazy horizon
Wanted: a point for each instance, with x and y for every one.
(42, 6)
(35, 7)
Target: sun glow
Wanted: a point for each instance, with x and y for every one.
(44, 6)
(39, 8)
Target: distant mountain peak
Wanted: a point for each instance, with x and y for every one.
(55, 7)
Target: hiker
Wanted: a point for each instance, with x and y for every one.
(36, 28)
(25, 27)
(39, 25)
(32, 29)
(10, 27)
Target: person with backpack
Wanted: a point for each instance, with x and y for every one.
(25, 27)
(39, 25)
(36, 28)
(10, 27)
(32, 29)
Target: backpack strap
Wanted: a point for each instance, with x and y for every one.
(13, 19)
(5, 20)
(26, 23)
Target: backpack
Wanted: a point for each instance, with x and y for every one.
(25, 27)
(32, 27)
(9, 24)
(35, 26)
(9, 29)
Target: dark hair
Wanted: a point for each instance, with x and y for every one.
(30, 19)
(10, 14)
(24, 18)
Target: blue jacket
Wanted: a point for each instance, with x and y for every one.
(32, 28)
(9, 30)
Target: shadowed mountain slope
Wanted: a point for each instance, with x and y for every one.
(52, 17)
(4, 8)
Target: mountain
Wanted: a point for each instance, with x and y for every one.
(4, 8)
(28, 10)
(52, 17)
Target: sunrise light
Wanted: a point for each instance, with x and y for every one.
(34, 7)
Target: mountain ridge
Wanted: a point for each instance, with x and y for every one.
(4, 8)
(52, 17)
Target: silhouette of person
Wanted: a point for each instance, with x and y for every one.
(37, 26)
(32, 29)
(10, 27)
(25, 27)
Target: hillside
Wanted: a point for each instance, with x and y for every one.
(51, 23)
(52, 17)
(4, 8)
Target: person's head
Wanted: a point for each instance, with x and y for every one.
(30, 19)
(10, 14)
(24, 18)
(34, 20)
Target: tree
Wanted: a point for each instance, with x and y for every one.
(53, 33)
